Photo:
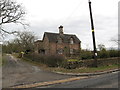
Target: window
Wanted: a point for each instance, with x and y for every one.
(71, 41)
(41, 51)
(59, 40)
(71, 51)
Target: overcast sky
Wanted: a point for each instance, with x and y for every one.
(48, 15)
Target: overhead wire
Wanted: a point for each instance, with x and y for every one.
(76, 8)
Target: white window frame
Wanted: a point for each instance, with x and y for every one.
(60, 40)
(71, 51)
(71, 41)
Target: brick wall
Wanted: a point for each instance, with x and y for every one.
(53, 47)
(46, 44)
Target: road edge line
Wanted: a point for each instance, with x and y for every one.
(48, 83)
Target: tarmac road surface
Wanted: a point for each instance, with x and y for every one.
(100, 81)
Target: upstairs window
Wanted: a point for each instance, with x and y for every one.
(60, 40)
(41, 51)
(71, 41)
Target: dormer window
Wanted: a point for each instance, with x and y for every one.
(60, 40)
(71, 41)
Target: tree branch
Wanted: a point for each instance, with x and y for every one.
(10, 12)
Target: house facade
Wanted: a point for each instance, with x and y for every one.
(58, 43)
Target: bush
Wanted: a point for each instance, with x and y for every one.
(103, 54)
(113, 53)
(86, 55)
(54, 60)
(72, 63)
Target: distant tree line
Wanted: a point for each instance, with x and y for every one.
(101, 53)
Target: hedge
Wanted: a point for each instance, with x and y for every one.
(49, 60)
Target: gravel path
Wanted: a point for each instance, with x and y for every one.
(17, 72)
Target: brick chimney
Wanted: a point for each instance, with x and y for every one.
(61, 30)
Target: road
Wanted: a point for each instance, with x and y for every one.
(101, 81)
(17, 72)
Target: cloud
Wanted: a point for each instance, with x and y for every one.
(105, 29)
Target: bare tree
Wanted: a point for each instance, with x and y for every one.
(101, 47)
(26, 40)
(116, 40)
(10, 12)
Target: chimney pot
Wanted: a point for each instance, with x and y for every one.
(61, 29)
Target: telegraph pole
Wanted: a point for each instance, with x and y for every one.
(93, 35)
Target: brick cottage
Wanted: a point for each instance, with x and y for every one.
(58, 43)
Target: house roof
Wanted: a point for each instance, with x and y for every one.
(38, 41)
(53, 37)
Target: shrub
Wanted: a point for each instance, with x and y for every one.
(54, 60)
(113, 53)
(71, 63)
(103, 54)
(86, 54)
